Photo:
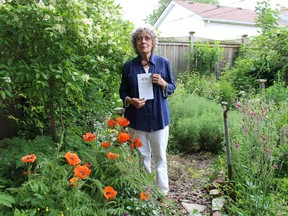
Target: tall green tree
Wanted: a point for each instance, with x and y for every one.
(162, 4)
(265, 56)
(268, 18)
(63, 58)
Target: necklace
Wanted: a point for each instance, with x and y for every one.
(145, 64)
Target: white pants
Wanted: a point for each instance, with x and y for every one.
(155, 144)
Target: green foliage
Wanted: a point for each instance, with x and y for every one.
(241, 74)
(197, 124)
(264, 57)
(283, 186)
(267, 17)
(278, 93)
(204, 57)
(256, 152)
(47, 190)
(156, 13)
(60, 57)
(6, 200)
(207, 87)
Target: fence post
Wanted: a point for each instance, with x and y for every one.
(261, 83)
(244, 39)
(191, 45)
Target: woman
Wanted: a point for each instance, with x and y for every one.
(149, 118)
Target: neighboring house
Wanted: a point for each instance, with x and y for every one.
(283, 16)
(207, 21)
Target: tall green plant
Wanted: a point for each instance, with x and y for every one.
(203, 57)
(256, 153)
(267, 17)
(63, 58)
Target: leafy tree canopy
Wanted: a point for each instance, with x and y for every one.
(63, 59)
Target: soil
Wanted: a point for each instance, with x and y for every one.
(189, 179)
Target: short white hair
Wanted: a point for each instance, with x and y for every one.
(148, 29)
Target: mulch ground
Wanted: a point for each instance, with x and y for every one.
(189, 178)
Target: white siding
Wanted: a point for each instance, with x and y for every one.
(178, 22)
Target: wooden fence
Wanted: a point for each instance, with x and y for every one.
(175, 50)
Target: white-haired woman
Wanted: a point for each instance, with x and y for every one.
(149, 117)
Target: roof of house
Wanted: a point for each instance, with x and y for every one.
(284, 18)
(219, 12)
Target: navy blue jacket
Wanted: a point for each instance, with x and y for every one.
(155, 115)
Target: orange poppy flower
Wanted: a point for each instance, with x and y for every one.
(111, 155)
(26, 172)
(29, 158)
(109, 192)
(105, 144)
(123, 137)
(82, 171)
(111, 123)
(72, 158)
(89, 137)
(74, 181)
(122, 122)
(144, 195)
(137, 142)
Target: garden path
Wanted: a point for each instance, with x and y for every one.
(189, 179)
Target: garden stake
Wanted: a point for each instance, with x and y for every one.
(230, 184)
(227, 137)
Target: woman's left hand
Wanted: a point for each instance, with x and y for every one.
(157, 79)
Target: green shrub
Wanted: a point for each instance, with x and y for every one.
(63, 59)
(208, 87)
(197, 124)
(277, 93)
(204, 57)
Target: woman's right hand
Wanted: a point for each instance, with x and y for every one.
(137, 102)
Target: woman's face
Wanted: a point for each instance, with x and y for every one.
(144, 43)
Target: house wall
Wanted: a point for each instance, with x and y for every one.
(180, 21)
(218, 31)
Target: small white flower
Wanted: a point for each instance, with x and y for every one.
(88, 21)
(60, 28)
(85, 77)
(46, 17)
(51, 7)
(6, 79)
(242, 93)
